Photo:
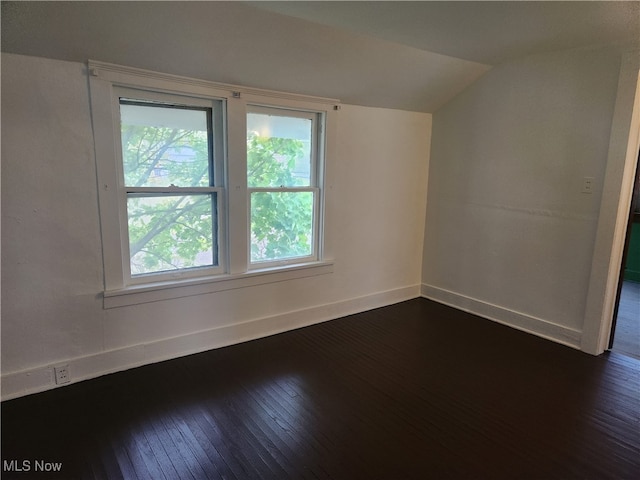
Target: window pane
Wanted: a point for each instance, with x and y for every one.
(172, 232)
(164, 145)
(278, 151)
(281, 225)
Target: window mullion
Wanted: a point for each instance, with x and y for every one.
(238, 201)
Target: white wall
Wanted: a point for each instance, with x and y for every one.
(52, 276)
(509, 235)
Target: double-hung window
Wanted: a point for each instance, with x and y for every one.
(203, 187)
(282, 179)
(171, 160)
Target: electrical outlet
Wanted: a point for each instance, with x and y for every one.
(62, 374)
(587, 184)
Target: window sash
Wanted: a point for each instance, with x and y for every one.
(217, 212)
(315, 225)
(317, 122)
(207, 111)
(216, 123)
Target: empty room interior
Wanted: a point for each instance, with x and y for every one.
(324, 240)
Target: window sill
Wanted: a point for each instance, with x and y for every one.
(155, 292)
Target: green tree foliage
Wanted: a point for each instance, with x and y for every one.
(281, 225)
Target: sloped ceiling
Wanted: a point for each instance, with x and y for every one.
(406, 55)
(478, 31)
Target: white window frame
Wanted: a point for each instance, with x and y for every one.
(218, 188)
(107, 84)
(315, 184)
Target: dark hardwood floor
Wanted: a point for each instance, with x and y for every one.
(415, 390)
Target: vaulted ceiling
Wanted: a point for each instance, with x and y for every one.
(406, 55)
(478, 31)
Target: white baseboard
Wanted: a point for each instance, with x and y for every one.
(521, 321)
(41, 378)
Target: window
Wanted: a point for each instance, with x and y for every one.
(283, 184)
(168, 167)
(201, 184)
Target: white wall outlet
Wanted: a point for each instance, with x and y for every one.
(587, 184)
(62, 374)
